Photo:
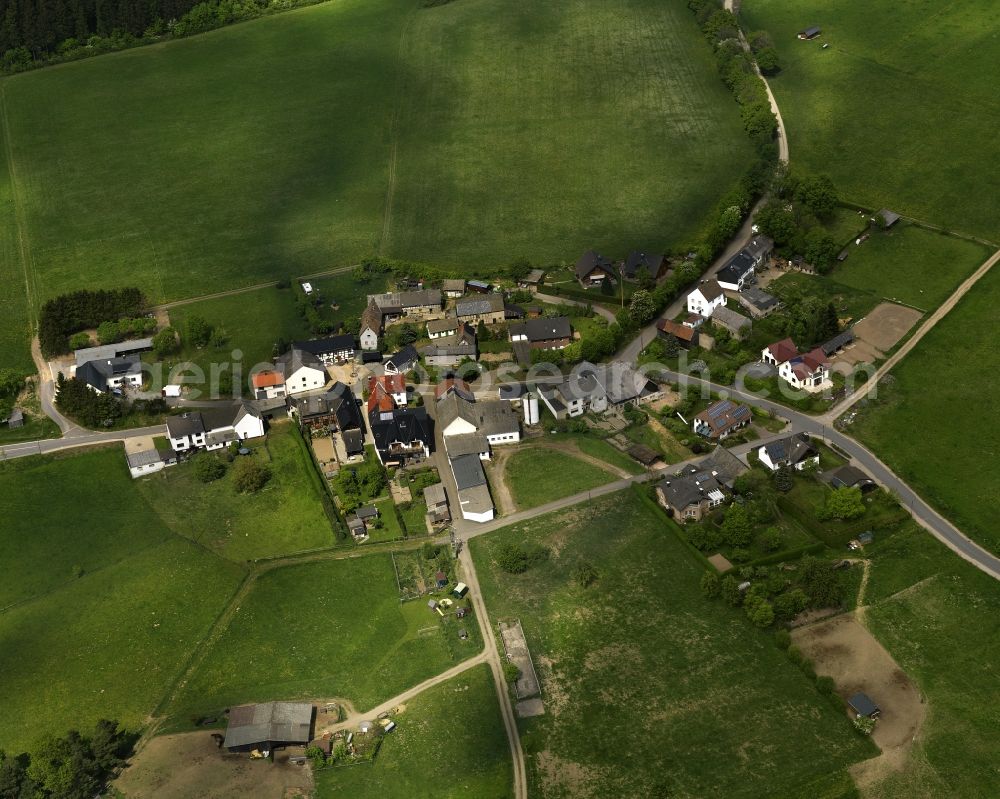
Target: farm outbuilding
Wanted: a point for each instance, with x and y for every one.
(810, 33)
(460, 590)
(863, 706)
(269, 725)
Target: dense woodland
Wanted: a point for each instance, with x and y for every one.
(42, 26)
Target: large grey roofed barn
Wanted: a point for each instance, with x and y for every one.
(468, 470)
(466, 444)
(473, 306)
(285, 722)
(106, 351)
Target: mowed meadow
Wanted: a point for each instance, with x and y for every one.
(901, 109)
(470, 133)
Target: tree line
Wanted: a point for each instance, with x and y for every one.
(34, 33)
(80, 310)
(74, 766)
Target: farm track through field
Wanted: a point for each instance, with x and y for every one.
(24, 246)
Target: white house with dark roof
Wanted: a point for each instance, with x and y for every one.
(737, 272)
(303, 371)
(795, 451)
(706, 298)
(493, 421)
(111, 374)
(214, 428)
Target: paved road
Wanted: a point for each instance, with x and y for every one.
(925, 515)
(923, 330)
(78, 438)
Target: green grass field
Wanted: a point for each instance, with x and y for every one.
(286, 516)
(110, 643)
(650, 689)
(537, 475)
(49, 535)
(901, 110)
(470, 133)
(942, 390)
(940, 619)
(915, 266)
(332, 628)
(449, 744)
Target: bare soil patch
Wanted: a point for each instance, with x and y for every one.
(190, 764)
(845, 650)
(721, 563)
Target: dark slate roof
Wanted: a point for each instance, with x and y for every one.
(97, 373)
(863, 704)
(838, 342)
(889, 217)
(326, 346)
(590, 261)
(758, 246)
(738, 267)
(338, 400)
(405, 425)
(293, 360)
(289, 722)
(793, 449)
(354, 441)
(848, 476)
(542, 329)
(513, 391)
(468, 470)
(689, 489)
(636, 260)
(405, 359)
(366, 512)
(725, 466)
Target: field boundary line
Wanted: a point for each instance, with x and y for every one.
(24, 247)
(390, 189)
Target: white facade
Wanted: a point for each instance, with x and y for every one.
(505, 438)
(817, 380)
(369, 339)
(698, 303)
(305, 378)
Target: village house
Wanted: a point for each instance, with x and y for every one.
(779, 352)
(848, 476)
(599, 388)
(111, 374)
(593, 269)
(554, 333)
(268, 384)
(214, 428)
(737, 272)
(302, 371)
(391, 386)
(636, 261)
(403, 361)
(736, 323)
(698, 489)
(451, 350)
(758, 302)
(330, 350)
(371, 328)
(333, 409)
(401, 435)
(686, 335)
(795, 451)
(721, 419)
(439, 328)
(452, 288)
(706, 298)
(397, 305)
(488, 309)
(533, 280)
(492, 420)
(144, 458)
(760, 250)
(809, 371)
